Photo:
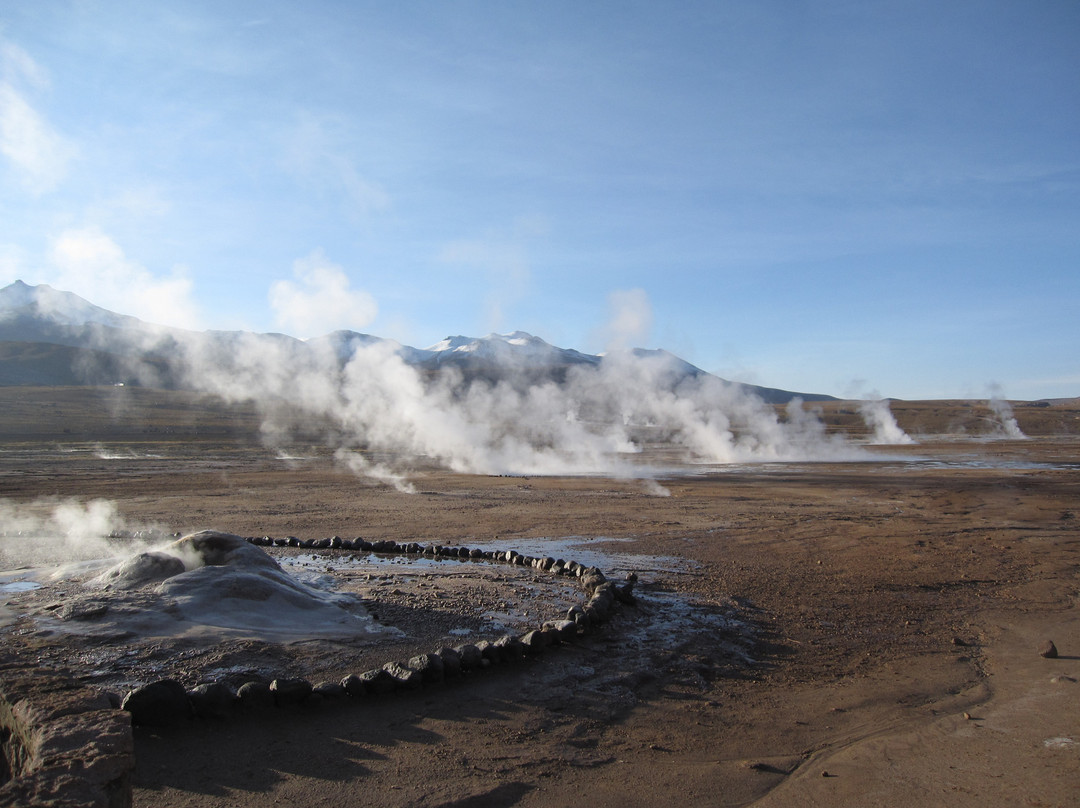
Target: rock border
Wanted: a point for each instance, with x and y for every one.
(166, 702)
(68, 744)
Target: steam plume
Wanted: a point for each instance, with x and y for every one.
(1003, 413)
(878, 417)
(52, 530)
(595, 421)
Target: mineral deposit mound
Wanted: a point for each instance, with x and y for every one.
(217, 581)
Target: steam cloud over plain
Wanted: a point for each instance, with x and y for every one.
(53, 530)
(594, 420)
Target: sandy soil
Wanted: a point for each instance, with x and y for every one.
(816, 634)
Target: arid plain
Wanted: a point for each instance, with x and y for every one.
(855, 633)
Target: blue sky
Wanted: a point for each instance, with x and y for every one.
(836, 197)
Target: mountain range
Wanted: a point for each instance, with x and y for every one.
(51, 337)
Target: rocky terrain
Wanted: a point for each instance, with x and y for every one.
(865, 632)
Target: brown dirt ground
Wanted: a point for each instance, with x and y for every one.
(893, 612)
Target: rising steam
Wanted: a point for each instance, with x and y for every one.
(383, 416)
(882, 424)
(1003, 415)
(594, 421)
(53, 530)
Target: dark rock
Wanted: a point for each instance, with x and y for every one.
(603, 598)
(404, 677)
(429, 666)
(157, 704)
(451, 662)
(1048, 650)
(511, 648)
(289, 692)
(255, 696)
(591, 581)
(625, 593)
(580, 616)
(594, 615)
(476, 552)
(354, 686)
(565, 629)
(470, 655)
(378, 682)
(489, 651)
(212, 700)
(534, 641)
(336, 543)
(552, 635)
(329, 691)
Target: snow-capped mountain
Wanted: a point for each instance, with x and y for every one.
(45, 303)
(518, 349)
(33, 318)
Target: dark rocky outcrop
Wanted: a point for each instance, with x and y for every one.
(290, 692)
(213, 700)
(158, 704)
(255, 696)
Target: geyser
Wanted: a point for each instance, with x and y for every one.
(212, 581)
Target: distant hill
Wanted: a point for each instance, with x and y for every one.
(52, 337)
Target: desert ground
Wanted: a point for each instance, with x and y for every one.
(833, 633)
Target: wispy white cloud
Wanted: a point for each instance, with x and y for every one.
(38, 153)
(321, 301)
(135, 203)
(631, 319)
(16, 64)
(88, 262)
(316, 156)
(502, 261)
